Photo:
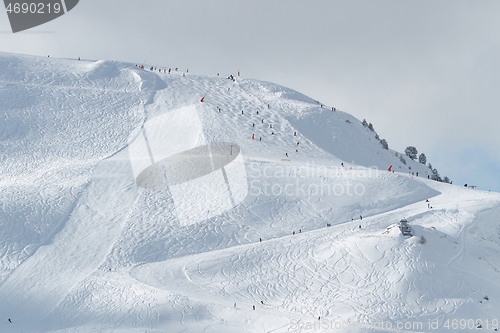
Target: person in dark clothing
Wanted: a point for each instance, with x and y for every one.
(286, 154)
(10, 321)
(254, 307)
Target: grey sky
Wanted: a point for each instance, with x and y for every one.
(425, 73)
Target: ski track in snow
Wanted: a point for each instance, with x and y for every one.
(88, 251)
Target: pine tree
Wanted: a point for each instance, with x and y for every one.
(384, 144)
(435, 175)
(370, 127)
(411, 152)
(422, 158)
(365, 123)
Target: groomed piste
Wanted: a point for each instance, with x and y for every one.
(141, 201)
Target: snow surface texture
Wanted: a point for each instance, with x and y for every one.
(85, 248)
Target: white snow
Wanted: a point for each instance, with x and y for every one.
(83, 248)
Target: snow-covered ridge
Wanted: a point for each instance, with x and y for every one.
(83, 248)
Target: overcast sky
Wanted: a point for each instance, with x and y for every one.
(425, 73)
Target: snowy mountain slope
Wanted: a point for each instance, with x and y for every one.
(341, 274)
(86, 249)
(58, 120)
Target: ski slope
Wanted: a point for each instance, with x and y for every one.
(84, 247)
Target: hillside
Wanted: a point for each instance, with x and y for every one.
(127, 205)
